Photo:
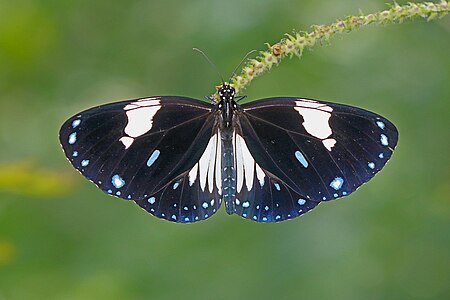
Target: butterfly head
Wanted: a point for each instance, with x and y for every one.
(226, 92)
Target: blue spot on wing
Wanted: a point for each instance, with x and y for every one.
(153, 158)
(117, 181)
(75, 123)
(72, 138)
(337, 183)
(380, 124)
(301, 158)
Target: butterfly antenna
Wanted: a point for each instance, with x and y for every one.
(245, 57)
(213, 64)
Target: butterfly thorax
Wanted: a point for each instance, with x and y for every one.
(227, 104)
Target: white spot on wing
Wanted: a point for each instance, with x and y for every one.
(204, 162)
(260, 175)
(316, 117)
(212, 160)
(193, 174)
(384, 140)
(239, 164)
(249, 165)
(140, 116)
(246, 165)
(219, 164)
(146, 102)
(329, 143)
(127, 141)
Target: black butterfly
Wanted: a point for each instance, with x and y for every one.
(268, 160)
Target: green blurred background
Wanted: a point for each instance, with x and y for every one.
(61, 238)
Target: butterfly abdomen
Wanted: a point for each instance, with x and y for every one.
(228, 169)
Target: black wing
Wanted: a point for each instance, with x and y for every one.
(161, 152)
(305, 151)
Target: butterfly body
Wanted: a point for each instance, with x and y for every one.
(228, 106)
(268, 160)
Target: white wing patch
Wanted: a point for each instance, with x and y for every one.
(193, 174)
(212, 160)
(140, 116)
(219, 163)
(127, 141)
(246, 165)
(316, 118)
(260, 175)
(207, 169)
(329, 143)
(203, 163)
(239, 163)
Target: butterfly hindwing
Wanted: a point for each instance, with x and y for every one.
(311, 150)
(195, 194)
(261, 196)
(146, 150)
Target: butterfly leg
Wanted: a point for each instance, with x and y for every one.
(239, 98)
(212, 99)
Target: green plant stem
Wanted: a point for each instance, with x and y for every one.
(295, 44)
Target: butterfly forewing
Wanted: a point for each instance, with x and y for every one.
(315, 150)
(158, 151)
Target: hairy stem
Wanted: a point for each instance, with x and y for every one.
(295, 44)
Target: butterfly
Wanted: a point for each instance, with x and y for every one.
(268, 160)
